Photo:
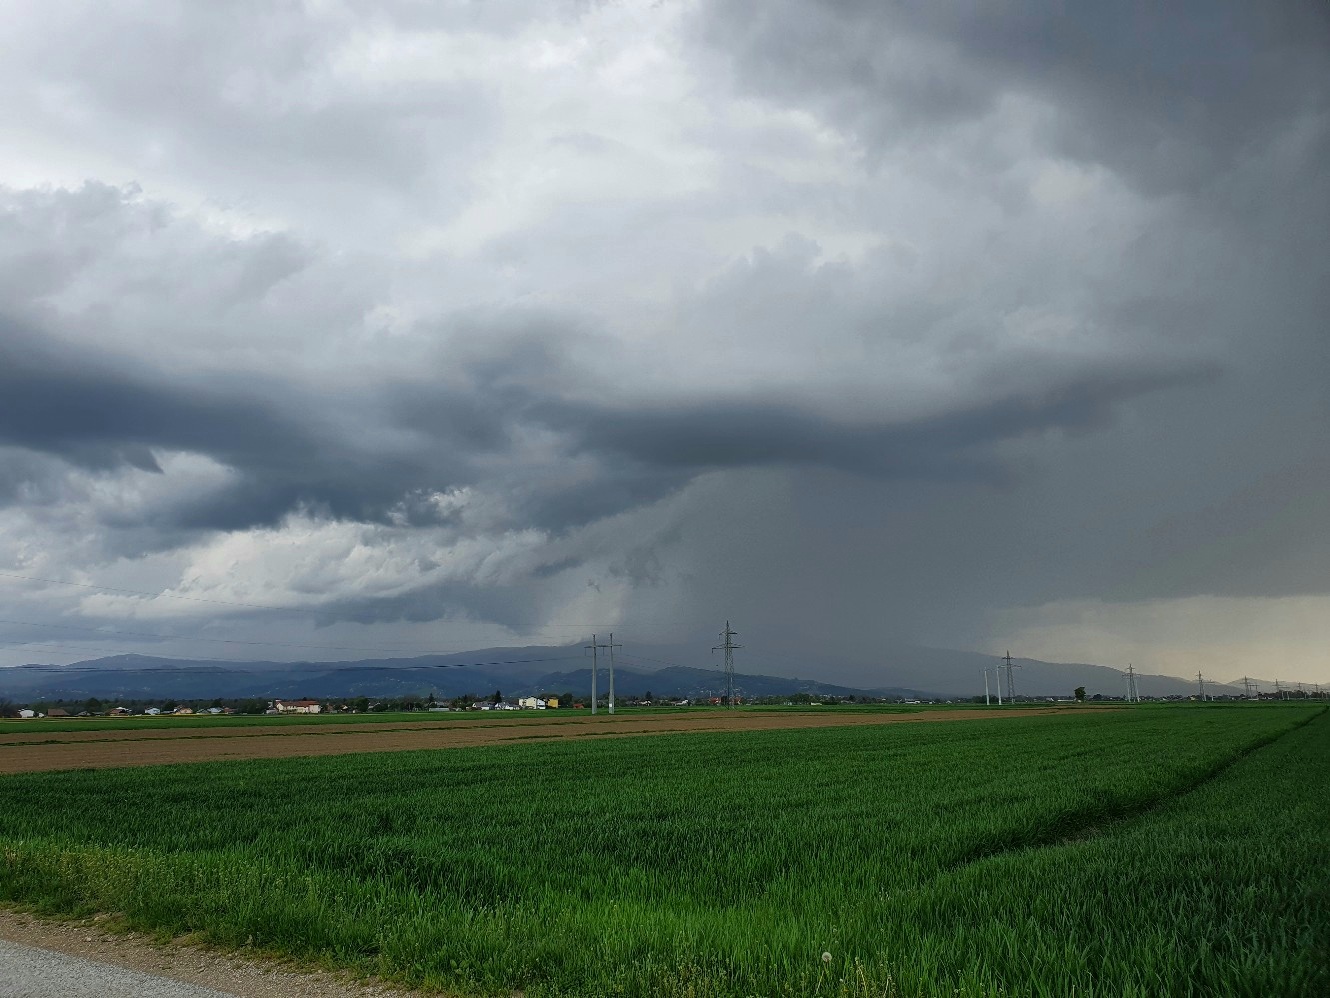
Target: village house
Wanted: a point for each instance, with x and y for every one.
(531, 703)
(57, 712)
(297, 706)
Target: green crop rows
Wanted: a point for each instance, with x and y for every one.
(1155, 852)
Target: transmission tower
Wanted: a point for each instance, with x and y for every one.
(728, 646)
(1133, 691)
(595, 668)
(611, 646)
(1247, 685)
(1201, 679)
(1011, 681)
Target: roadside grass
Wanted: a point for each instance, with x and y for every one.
(926, 859)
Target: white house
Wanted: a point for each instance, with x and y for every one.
(298, 706)
(531, 703)
(27, 713)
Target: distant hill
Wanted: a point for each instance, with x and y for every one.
(916, 673)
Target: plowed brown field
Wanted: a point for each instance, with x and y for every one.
(38, 752)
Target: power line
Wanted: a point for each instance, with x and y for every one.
(334, 668)
(165, 595)
(385, 649)
(226, 641)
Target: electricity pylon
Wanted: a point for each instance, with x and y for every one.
(595, 668)
(1011, 680)
(729, 647)
(611, 646)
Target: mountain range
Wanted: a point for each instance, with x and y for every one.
(914, 672)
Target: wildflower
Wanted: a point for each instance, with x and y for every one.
(826, 957)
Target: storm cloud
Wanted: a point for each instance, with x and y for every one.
(941, 323)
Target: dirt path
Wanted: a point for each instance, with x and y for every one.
(228, 973)
(262, 743)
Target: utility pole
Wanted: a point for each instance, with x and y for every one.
(987, 701)
(1011, 680)
(728, 636)
(1201, 679)
(611, 646)
(595, 666)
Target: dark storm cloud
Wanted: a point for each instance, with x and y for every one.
(712, 435)
(1167, 94)
(98, 412)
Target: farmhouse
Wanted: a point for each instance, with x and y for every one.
(531, 703)
(57, 712)
(27, 713)
(298, 706)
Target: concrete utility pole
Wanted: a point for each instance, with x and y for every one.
(1011, 680)
(987, 701)
(595, 666)
(611, 646)
(729, 647)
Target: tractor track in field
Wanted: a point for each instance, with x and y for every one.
(1103, 821)
(155, 748)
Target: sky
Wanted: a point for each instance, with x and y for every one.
(352, 329)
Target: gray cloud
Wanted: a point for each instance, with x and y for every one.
(1167, 96)
(873, 319)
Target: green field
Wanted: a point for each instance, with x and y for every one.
(9, 726)
(1176, 851)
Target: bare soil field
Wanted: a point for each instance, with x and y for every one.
(78, 750)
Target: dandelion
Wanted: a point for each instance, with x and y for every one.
(826, 957)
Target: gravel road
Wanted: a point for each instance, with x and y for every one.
(28, 972)
(41, 959)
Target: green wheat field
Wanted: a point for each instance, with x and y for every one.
(1141, 852)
